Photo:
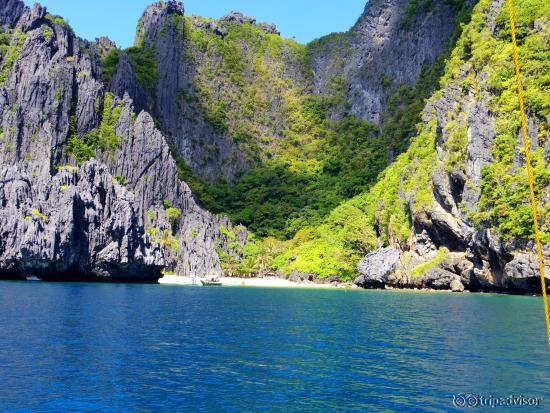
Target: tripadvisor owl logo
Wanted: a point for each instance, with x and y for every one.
(466, 400)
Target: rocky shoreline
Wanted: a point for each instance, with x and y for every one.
(275, 282)
(389, 267)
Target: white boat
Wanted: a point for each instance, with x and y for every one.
(211, 282)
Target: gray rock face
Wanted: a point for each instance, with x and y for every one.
(144, 160)
(381, 44)
(376, 267)
(440, 279)
(79, 226)
(442, 228)
(10, 12)
(125, 81)
(456, 286)
(106, 219)
(207, 151)
(296, 276)
(270, 28)
(238, 18)
(475, 258)
(458, 263)
(104, 45)
(522, 273)
(153, 18)
(481, 136)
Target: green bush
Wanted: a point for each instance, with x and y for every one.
(173, 215)
(109, 65)
(56, 19)
(11, 53)
(165, 238)
(421, 269)
(48, 33)
(229, 234)
(143, 61)
(145, 64)
(216, 115)
(81, 148)
(103, 138)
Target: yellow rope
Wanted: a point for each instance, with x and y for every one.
(527, 149)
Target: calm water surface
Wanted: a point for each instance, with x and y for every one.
(113, 348)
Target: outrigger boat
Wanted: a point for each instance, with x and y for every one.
(211, 282)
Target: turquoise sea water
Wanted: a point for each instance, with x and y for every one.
(117, 348)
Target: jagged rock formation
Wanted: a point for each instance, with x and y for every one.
(11, 11)
(456, 253)
(376, 267)
(78, 226)
(388, 46)
(104, 219)
(145, 162)
(491, 263)
(161, 30)
(195, 97)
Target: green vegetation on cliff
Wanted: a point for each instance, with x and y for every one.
(10, 49)
(504, 202)
(104, 138)
(382, 215)
(236, 84)
(293, 190)
(373, 218)
(304, 162)
(109, 65)
(145, 66)
(143, 61)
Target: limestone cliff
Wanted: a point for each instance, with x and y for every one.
(390, 44)
(275, 130)
(204, 70)
(88, 188)
(453, 211)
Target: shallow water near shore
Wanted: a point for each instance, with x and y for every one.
(115, 347)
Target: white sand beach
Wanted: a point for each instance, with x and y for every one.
(272, 282)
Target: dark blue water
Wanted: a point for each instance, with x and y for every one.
(94, 347)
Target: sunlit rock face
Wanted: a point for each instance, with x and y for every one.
(104, 218)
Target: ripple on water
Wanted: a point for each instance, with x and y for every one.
(82, 347)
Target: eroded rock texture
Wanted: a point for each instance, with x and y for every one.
(105, 218)
(452, 252)
(381, 51)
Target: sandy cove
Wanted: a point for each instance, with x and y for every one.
(271, 282)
